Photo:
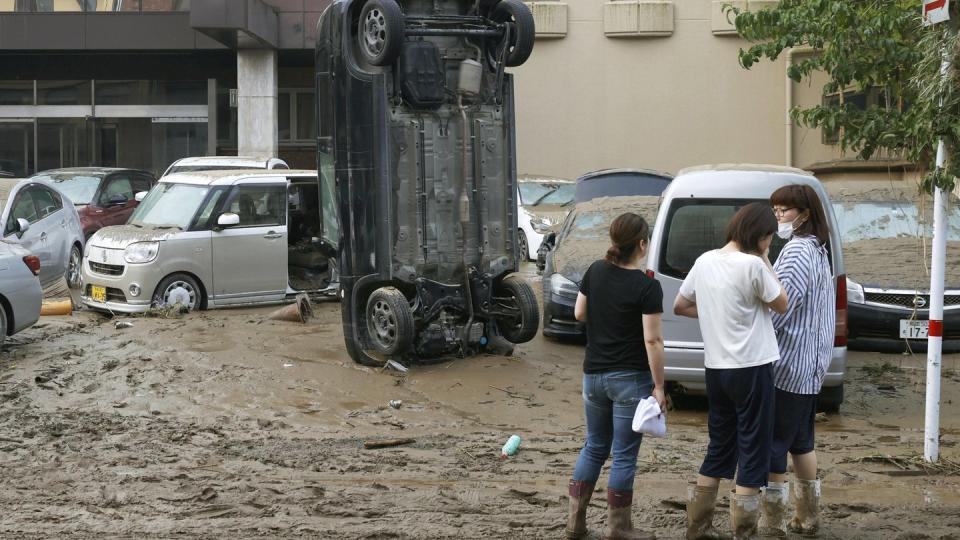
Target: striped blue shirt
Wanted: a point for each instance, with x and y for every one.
(805, 332)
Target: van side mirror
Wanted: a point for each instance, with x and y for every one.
(22, 226)
(139, 196)
(228, 219)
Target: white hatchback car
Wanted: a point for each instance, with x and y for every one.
(216, 239)
(542, 204)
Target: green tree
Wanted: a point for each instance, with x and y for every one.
(864, 45)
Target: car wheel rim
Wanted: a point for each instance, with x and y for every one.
(384, 323)
(175, 292)
(73, 269)
(375, 32)
(522, 243)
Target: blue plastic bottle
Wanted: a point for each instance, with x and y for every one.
(510, 449)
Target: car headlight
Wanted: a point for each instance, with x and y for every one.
(540, 226)
(141, 252)
(854, 292)
(562, 286)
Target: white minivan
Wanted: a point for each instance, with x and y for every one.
(694, 211)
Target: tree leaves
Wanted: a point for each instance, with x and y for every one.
(865, 45)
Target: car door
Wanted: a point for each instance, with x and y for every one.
(250, 259)
(53, 220)
(116, 212)
(35, 239)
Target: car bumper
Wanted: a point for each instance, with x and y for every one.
(684, 367)
(119, 298)
(558, 318)
(25, 302)
(871, 326)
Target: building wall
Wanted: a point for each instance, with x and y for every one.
(587, 101)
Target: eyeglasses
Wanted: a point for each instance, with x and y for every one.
(781, 211)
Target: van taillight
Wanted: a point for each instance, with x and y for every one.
(650, 273)
(840, 332)
(33, 263)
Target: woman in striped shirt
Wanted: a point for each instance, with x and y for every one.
(805, 337)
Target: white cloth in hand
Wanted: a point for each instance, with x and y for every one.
(649, 419)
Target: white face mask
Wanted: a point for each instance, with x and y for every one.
(785, 230)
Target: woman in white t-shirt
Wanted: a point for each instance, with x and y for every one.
(731, 291)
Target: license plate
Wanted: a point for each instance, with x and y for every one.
(910, 329)
(99, 294)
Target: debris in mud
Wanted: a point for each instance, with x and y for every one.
(300, 311)
(395, 403)
(911, 463)
(388, 443)
(120, 325)
(396, 366)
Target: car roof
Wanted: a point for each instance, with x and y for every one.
(239, 161)
(228, 177)
(533, 178)
(609, 172)
(89, 171)
(744, 181)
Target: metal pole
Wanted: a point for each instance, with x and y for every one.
(931, 435)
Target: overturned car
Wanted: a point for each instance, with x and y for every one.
(416, 119)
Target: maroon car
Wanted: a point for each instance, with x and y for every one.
(103, 196)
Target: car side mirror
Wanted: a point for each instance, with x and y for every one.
(139, 196)
(550, 240)
(117, 200)
(228, 219)
(22, 226)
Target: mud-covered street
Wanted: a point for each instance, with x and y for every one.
(226, 424)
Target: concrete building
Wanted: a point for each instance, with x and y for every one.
(140, 83)
(626, 83)
(657, 84)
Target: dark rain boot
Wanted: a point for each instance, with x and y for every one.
(745, 514)
(619, 517)
(701, 501)
(806, 494)
(774, 503)
(580, 493)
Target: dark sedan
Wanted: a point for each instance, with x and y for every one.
(888, 299)
(103, 196)
(583, 239)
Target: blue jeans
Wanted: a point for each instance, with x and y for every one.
(610, 401)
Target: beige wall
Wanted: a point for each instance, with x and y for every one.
(587, 101)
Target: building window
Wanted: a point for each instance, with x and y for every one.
(107, 6)
(16, 92)
(296, 122)
(151, 92)
(860, 100)
(63, 92)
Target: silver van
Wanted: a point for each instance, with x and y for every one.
(215, 239)
(694, 211)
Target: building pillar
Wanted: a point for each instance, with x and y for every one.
(257, 102)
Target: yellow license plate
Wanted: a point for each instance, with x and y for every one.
(99, 294)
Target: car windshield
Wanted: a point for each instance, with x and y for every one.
(872, 220)
(562, 195)
(78, 188)
(531, 192)
(169, 205)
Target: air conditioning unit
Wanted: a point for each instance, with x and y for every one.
(638, 18)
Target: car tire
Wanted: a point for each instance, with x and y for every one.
(830, 399)
(73, 267)
(173, 288)
(517, 295)
(389, 321)
(522, 246)
(380, 32)
(524, 29)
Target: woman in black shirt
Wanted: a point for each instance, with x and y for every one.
(623, 364)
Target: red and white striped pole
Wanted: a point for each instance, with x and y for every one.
(931, 438)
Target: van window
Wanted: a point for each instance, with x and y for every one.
(695, 226)
(259, 206)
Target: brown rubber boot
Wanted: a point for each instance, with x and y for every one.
(580, 493)
(745, 514)
(806, 494)
(619, 519)
(774, 503)
(701, 501)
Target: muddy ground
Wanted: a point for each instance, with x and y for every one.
(225, 424)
